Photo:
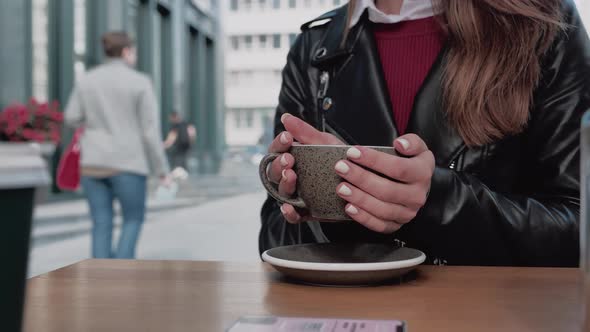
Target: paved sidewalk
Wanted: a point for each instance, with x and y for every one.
(225, 229)
(207, 220)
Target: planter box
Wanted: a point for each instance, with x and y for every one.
(22, 171)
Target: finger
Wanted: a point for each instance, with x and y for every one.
(281, 143)
(410, 195)
(371, 222)
(378, 208)
(399, 168)
(288, 182)
(410, 145)
(304, 133)
(290, 214)
(285, 161)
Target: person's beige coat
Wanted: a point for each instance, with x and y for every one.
(117, 107)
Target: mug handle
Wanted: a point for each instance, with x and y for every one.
(271, 188)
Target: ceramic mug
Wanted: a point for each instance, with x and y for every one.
(316, 179)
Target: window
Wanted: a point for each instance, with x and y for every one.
(262, 4)
(262, 40)
(233, 78)
(234, 42)
(243, 118)
(237, 118)
(276, 4)
(292, 3)
(336, 2)
(276, 41)
(247, 4)
(234, 5)
(292, 37)
(307, 3)
(248, 42)
(249, 118)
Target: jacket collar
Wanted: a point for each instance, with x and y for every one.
(428, 119)
(331, 47)
(410, 10)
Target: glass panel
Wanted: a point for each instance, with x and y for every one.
(79, 37)
(276, 41)
(263, 41)
(234, 5)
(292, 3)
(40, 52)
(249, 118)
(234, 42)
(157, 58)
(132, 23)
(276, 4)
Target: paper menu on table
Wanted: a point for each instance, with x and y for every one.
(301, 324)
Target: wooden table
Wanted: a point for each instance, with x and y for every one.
(116, 295)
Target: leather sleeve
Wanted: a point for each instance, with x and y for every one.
(537, 223)
(294, 98)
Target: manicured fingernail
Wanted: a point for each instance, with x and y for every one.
(341, 167)
(284, 175)
(284, 139)
(351, 209)
(284, 116)
(344, 190)
(404, 142)
(284, 161)
(283, 210)
(353, 153)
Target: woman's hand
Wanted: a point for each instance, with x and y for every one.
(281, 170)
(376, 202)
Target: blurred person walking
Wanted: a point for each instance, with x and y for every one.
(120, 144)
(179, 140)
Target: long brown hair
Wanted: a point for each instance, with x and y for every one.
(493, 62)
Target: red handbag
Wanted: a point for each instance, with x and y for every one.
(68, 171)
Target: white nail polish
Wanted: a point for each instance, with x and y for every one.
(352, 210)
(283, 210)
(284, 162)
(284, 116)
(284, 175)
(404, 142)
(284, 139)
(342, 167)
(353, 153)
(344, 190)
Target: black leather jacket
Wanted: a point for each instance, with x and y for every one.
(513, 202)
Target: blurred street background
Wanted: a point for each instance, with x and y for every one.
(216, 62)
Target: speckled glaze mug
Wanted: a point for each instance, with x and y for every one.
(316, 179)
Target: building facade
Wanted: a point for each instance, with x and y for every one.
(52, 42)
(259, 34)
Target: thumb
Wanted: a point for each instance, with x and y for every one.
(410, 145)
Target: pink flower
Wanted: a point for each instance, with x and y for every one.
(10, 129)
(57, 116)
(55, 136)
(28, 133)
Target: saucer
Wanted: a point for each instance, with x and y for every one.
(344, 264)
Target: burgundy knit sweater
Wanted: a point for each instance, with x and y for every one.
(408, 50)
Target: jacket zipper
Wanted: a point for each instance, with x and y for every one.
(322, 91)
